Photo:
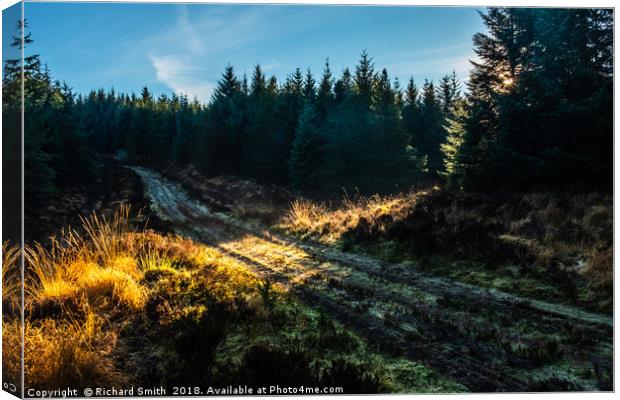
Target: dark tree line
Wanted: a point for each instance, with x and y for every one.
(314, 134)
(56, 148)
(537, 113)
(540, 103)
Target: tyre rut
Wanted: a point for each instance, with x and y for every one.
(404, 311)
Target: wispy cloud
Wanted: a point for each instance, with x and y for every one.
(186, 30)
(176, 50)
(269, 67)
(182, 77)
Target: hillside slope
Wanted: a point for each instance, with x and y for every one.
(485, 340)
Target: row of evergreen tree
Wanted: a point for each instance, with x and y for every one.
(537, 112)
(358, 131)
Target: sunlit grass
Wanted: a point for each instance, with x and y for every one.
(57, 288)
(153, 260)
(560, 244)
(98, 284)
(327, 224)
(87, 289)
(75, 353)
(105, 236)
(81, 283)
(11, 276)
(72, 286)
(127, 264)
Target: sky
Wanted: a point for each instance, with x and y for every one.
(184, 48)
(10, 16)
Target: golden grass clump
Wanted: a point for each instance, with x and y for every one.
(223, 278)
(11, 277)
(180, 251)
(75, 354)
(97, 267)
(58, 289)
(105, 237)
(127, 264)
(98, 284)
(327, 224)
(60, 353)
(11, 356)
(82, 289)
(70, 287)
(82, 279)
(226, 280)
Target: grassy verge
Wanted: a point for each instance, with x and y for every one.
(116, 307)
(554, 247)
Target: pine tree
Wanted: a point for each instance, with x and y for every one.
(455, 129)
(540, 101)
(429, 133)
(398, 93)
(267, 137)
(11, 142)
(411, 93)
(448, 93)
(343, 88)
(364, 78)
(295, 83)
(384, 95)
(38, 175)
(309, 87)
(411, 113)
(147, 98)
(244, 85)
(325, 95)
(258, 86)
(272, 87)
(225, 122)
(228, 86)
(69, 157)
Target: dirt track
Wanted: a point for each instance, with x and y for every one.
(486, 340)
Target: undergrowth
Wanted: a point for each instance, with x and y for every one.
(116, 307)
(556, 247)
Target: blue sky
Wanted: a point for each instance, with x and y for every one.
(185, 47)
(10, 16)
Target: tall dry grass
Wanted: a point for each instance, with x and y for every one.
(86, 286)
(96, 267)
(11, 313)
(73, 288)
(76, 353)
(11, 278)
(323, 222)
(563, 240)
